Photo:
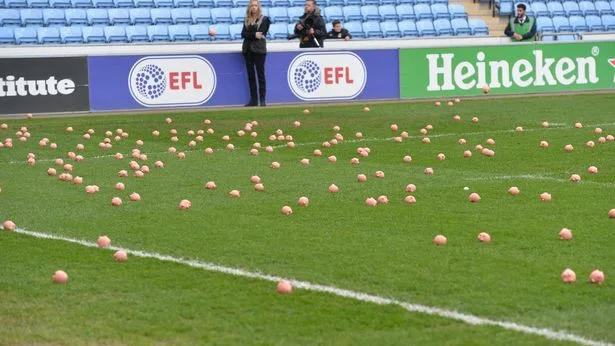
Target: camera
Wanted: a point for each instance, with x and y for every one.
(307, 24)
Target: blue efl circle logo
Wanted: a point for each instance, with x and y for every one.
(307, 76)
(151, 81)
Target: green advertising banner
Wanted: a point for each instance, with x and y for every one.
(507, 69)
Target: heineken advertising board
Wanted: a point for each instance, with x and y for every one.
(508, 69)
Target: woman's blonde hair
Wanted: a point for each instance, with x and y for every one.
(249, 20)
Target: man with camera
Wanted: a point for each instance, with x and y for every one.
(311, 28)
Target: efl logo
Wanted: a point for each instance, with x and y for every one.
(327, 76)
(172, 81)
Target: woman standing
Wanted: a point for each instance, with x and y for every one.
(254, 32)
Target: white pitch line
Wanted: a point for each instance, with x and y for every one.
(360, 296)
(537, 177)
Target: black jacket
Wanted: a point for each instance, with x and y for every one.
(315, 21)
(250, 43)
(342, 34)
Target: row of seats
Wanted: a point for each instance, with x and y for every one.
(556, 8)
(575, 24)
(118, 16)
(195, 3)
(200, 32)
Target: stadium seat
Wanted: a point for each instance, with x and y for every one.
(300, 3)
(38, 3)
(544, 24)
(280, 3)
(221, 15)
(93, 34)
(76, 16)
(572, 8)
(566, 38)
(179, 32)
(7, 36)
(443, 27)
(478, 27)
(118, 16)
(561, 24)
(333, 13)
(103, 3)
(71, 34)
(136, 33)
(161, 16)
(405, 12)
(144, 3)
(25, 35)
(164, 3)
(201, 15)
(60, 3)
(115, 34)
(355, 29)
(390, 29)
(440, 11)
(264, 3)
(223, 31)
(81, 3)
(594, 23)
(291, 27)
(16, 4)
(265, 11)
(578, 24)
(426, 2)
(140, 16)
(10, 17)
(353, 13)
(278, 31)
(370, 12)
(408, 28)
(31, 16)
(506, 8)
(540, 9)
(406, 2)
(588, 8)
(294, 13)
(203, 3)
(97, 16)
(238, 14)
(426, 28)
(556, 8)
(387, 12)
(423, 11)
(235, 30)
(225, 3)
(199, 32)
(183, 3)
(241, 3)
(124, 3)
(609, 22)
(353, 3)
(457, 11)
(444, 2)
(279, 15)
(158, 33)
(48, 35)
(181, 16)
(603, 7)
(460, 26)
(372, 29)
(53, 16)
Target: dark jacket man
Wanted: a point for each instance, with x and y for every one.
(311, 28)
(521, 27)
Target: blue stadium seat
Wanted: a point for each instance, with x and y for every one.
(353, 2)
(561, 24)
(158, 33)
(609, 22)
(460, 26)
(140, 16)
(572, 8)
(97, 16)
(300, 3)
(183, 3)
(578, 24)
(93, 34)
(372, 29)
(566, 38)
(426, 28)
(556, 8)
(265, 11)
(103, 3)
(31, 16)
(588, 8)
(48, 34)
(71, 34)
(76, 16)
(387, 12)
(235, 30)
(144, 3)
(409, 2)
(264, 3)
(355, 29)
(544, 24)
(352, 13)
(540, 9)
(423, 11)
(445, 2)
(181, 15)
(10, 17)
(278, 31)
(124, 3)
(405, 12)
(203, 3)
(223, 31)
(291, 27)
(136, 33)
(279, 15)
(328, 26)
(333, 13)
(388, 2)
(506, 8)
(390, 29)
(440, 11)
(38, 3)
(426, 2)
(294, 13)
(238, 14)
(118, 16)
(161, 16)
(60, 3)
(53, 16)
(16, 4)
(478, 27)
(201, 15)
(241, 3)
(457, 11)
(25, 35)
(164, 3)
(408, 28)
(179, 32)
(221, 15)
(329, 3)
(370, 2)
(370, 12)
(81, 3)
(7, 36)
(115, 34)
(224, 3)
(603, 7)
(199, 32)
(443, 27)
(280, 3)
(594, 23)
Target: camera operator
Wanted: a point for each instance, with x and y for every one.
(311, 28)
